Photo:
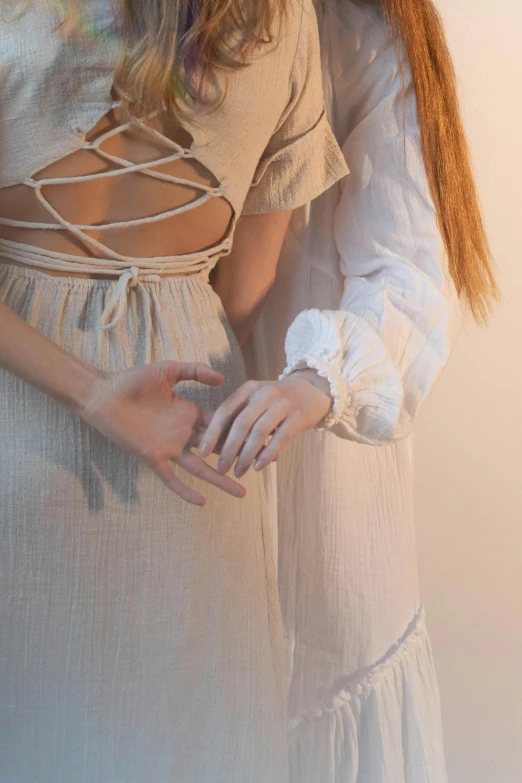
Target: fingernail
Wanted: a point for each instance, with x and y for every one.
(204, 450)
(239, 471)
(222, 466)
(258, 464)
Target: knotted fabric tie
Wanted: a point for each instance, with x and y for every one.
(117, 300)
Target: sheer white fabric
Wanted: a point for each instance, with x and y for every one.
(385, 346)
(362, 272)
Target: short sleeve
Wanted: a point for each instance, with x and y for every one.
(302, 158)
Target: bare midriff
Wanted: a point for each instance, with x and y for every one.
(114, 199)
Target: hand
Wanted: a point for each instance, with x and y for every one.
(259, 411)
(139, 410)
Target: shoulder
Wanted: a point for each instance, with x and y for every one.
(299, 27)
(357, 42)
(361, 27)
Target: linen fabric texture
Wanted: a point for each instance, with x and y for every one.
(140, 637)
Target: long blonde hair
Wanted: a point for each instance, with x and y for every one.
(418, 31)
(175, 47)
(172, 52)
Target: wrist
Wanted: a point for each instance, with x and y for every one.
(83, 385)
(312, 376)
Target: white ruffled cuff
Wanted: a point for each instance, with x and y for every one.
(366, 385)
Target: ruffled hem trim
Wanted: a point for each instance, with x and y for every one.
(383, 727)
(393, 657)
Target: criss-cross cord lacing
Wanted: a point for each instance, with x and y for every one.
(128, 269)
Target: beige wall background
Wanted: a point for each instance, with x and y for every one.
(469, 440)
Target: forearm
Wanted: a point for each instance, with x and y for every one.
(37, 360)
(244, 277)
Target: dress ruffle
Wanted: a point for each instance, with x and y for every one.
(381, 726)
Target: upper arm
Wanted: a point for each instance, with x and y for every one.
(385, 222)
(391, 250)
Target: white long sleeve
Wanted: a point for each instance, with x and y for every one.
(386, 345)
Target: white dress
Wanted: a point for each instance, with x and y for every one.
(363, 270)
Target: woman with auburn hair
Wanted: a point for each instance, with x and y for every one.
(141, 638)
(366, 295)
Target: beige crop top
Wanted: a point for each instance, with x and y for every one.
(269, 145)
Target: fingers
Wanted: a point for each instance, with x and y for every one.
(168, 477)
(239, 431)
(195, 439)
(197, 467)
(224, 415)
(204, 417)
(258, 436)
(290, 427)
(194, 371)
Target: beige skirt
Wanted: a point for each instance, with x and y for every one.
(140, 637)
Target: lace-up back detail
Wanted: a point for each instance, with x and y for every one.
(108, 261)
(268, 145)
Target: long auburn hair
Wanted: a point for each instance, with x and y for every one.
(418, 32)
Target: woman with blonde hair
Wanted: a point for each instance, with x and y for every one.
(141, 637)
(366, 295)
